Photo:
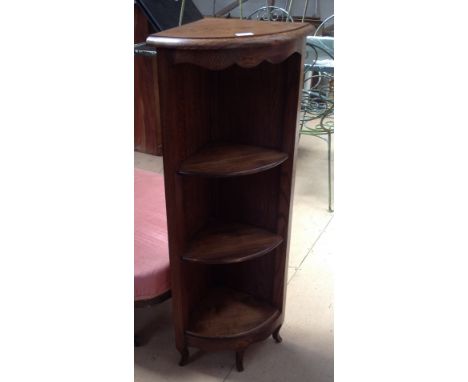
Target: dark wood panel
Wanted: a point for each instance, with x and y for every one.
(236, 343)
(252, 117)
(249, 199)
(185, 105)
(292, 75)
(147, 123)
(230, 243)
(219, 33)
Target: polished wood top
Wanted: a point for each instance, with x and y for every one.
(217, 33)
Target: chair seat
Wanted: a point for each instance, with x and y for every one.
(325, 65)
(151, 259)
(322, 59)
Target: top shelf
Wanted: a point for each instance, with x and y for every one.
(231, 160)
(220, 33)
(216, 44)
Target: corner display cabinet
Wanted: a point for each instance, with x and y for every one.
(229, 92)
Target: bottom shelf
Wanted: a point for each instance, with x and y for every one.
(226, 313)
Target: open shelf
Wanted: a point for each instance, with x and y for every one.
(226, 313)
(230, 243)
(231, 160)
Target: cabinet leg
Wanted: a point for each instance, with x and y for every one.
(276, 335)
(184, 356)
(240, 360)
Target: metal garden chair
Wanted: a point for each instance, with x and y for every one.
(271, 13)
(317, 103)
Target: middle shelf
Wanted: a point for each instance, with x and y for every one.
(230, 243)
(222, 160)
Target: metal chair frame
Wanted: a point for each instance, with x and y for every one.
(317, 102)
(271, 13)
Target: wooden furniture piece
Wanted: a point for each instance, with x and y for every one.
(147, 124)
(152, 16)
(229, 93)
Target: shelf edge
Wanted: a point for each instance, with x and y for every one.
(255, 170)
(235, 260)
(276, 314)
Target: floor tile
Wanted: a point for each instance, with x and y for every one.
(291, 271)
(148, 162)
(310, 205)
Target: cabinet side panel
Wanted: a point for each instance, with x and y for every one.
(293, 72)
(185, 103)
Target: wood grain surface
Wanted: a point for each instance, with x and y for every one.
(147, 120)
(230, 243)
(225, 313)
(215, 44)
(226, 34)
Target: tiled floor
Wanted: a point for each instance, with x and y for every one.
(306, 353)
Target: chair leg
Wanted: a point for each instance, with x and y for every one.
(329, 175)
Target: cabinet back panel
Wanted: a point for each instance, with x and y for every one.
(250, 104)
(250, 199)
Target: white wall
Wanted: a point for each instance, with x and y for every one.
(325, 7)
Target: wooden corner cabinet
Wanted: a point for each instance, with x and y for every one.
(229, 93)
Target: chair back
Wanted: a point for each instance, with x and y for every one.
(327, 27)
(271, 13)
(319, 53)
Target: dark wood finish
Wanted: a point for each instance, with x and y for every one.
(240, 91)
(240, 360)
(231, 160)
(276, 336)
(214, 33)
(194, 43)
(231, 243)
(226, 313)
(184, 356)
(147, 123)
(235, 343)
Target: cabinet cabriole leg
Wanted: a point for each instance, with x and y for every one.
(184, 356)
(277, 336)
(240, 360)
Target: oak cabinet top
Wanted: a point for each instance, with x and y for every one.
(220, 34)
